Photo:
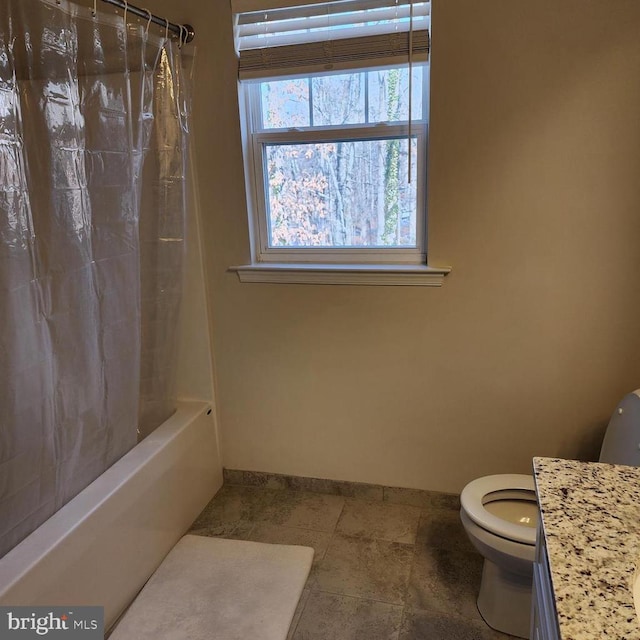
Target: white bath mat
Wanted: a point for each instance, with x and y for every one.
(216, 589)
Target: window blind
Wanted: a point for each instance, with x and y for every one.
(307, 38)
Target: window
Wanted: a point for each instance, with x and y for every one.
(330, 164)
(334, 103)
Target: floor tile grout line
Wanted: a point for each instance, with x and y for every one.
(253, 526)
(411, 570)
(335, 526)
(288, 526)
(292, 632)
(352, 536)
(349, 595)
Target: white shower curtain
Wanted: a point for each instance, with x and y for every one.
(93, 134)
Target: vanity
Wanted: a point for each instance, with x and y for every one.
(587, 550)
(544, 618)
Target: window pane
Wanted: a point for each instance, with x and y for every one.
(341, 194)
(285, 103)
(338, 99)
(389, 94)
(360, 97)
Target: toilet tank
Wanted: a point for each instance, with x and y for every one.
(621, 444)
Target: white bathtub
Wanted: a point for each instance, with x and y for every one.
(101, 547)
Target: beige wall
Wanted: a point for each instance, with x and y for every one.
(534, 201)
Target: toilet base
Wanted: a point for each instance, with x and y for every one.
(505, 600)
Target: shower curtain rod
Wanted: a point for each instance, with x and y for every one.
(184, 30)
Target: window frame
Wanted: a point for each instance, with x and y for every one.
(255, 139)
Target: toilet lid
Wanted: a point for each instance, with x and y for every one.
(472, 500)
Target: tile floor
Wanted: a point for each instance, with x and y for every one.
(382, 570)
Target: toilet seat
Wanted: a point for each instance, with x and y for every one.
(472, 501)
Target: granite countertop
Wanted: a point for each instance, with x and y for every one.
(591, 519)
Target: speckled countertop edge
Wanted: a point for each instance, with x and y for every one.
(591, 520)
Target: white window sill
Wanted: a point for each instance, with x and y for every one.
(360, 274)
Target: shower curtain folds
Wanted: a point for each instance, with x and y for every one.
(93, 135)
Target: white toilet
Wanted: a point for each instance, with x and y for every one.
(500, 516)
